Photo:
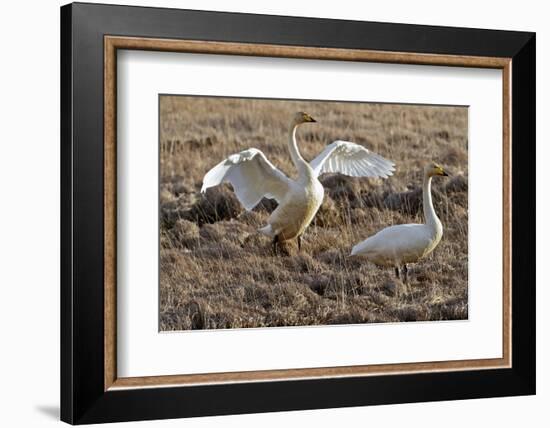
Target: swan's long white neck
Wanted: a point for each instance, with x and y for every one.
(429, 212)
(301, 165)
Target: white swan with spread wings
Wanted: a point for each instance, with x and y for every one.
(253, 177)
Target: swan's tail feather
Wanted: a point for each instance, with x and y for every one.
(267, 230)
(359, 249)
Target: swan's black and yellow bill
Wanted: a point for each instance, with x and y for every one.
(308, 118)
(440, 171)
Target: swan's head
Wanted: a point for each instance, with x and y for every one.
(434, 169)
(302, 117)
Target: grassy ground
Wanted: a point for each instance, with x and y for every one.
(216, 271)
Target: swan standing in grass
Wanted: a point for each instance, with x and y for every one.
(253, 177)
(396, 246)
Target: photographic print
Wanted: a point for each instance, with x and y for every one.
(278, 213)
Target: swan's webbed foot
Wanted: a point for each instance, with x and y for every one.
(299, 242)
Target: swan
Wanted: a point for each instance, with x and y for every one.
(254, 177)
(395, 246)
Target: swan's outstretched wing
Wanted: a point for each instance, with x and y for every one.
(252, 177)
(351, 159)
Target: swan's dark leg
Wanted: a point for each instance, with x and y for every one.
(275, 243)
(407, 283)
(397, 272)
(299, 242)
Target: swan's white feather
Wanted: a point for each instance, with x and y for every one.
(397, 245)
(351, 159)
(252, 177)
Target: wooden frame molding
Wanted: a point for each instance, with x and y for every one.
(113, 43)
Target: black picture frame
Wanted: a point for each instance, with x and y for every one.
(83, 399)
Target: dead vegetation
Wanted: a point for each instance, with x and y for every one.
(216, 271)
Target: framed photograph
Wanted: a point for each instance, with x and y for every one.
(266, 213)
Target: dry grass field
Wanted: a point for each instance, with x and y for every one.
(216, 271)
